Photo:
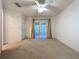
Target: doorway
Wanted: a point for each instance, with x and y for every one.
(40, 29)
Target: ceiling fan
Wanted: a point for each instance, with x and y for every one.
(39, 5)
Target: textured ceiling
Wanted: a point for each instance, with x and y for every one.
(56, 7)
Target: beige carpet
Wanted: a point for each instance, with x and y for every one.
(31, 49)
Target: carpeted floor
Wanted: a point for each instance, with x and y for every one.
(31, 49)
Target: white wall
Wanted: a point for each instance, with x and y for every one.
(0, 26)
(13, 26)
(67, 26)
(24, 27)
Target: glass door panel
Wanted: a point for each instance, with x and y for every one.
(36, 30)
(43, 30)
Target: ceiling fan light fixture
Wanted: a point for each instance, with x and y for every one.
(40, 10)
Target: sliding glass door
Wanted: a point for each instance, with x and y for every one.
(40, 29)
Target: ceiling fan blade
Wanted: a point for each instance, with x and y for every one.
(52, 8)
(37, 3)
